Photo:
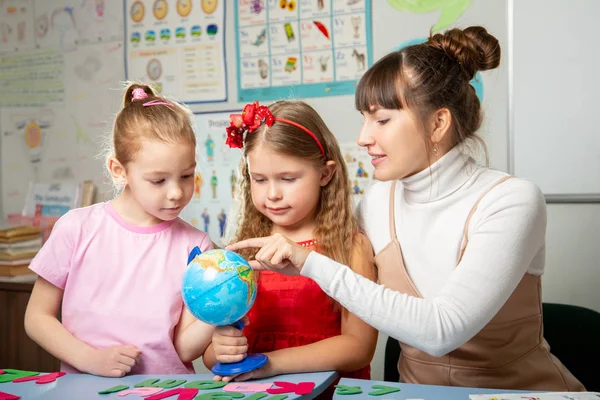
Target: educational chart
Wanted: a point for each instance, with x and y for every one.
(360, 169)
(53, 130)
(301, 48)
(32, 78)
(216, 176)
(178, 47)
(16, 25)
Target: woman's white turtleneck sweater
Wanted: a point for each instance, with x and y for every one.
(506, 240)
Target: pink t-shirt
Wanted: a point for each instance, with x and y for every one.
(122, 283)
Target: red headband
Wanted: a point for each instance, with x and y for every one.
(251, 119)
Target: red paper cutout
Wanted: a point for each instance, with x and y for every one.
(1, 371)
(10, 375)
(8, 396)
(41, 380)
(289, 387)
(182, 394)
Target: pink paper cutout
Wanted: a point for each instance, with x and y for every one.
(142, 391)
(183, 394)
(8, 396)
(289, 387)
(1, 371)
(41, 380)
(247, 387)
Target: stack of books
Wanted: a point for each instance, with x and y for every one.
(18, 246)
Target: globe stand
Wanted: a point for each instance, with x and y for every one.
(250, 363)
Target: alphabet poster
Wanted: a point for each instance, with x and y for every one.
(301, 48)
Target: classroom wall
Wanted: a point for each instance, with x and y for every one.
(572, 249)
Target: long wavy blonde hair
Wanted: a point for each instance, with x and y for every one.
(336, 222)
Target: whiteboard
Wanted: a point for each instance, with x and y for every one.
(555, 137)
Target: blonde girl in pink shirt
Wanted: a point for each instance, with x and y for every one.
(117, 266)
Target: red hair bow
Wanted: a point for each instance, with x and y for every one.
(249, 120)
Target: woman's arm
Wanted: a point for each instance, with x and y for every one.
(508, 235)
(192, 337)
(42, 325)
(502, 245)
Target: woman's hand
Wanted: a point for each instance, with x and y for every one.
(277, 253)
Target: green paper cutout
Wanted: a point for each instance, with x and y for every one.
(278, 397)
(206, 385)
(256, 396)
(344, 390)
(169, 383)
(147, 383)
(114, 389)
(11, 374)
(220, 395)
(451, 9)
(381, 390)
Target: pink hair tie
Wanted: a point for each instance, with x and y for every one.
(138, 94)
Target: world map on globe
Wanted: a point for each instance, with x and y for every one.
(219, 287)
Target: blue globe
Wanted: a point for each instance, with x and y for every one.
(219, 287)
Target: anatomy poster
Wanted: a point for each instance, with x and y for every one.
(301, 48)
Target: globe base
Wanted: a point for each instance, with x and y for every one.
(250, 363)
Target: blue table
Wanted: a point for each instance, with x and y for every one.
(81, 386)
(410, 391)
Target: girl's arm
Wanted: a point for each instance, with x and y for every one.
(42, 325)
(192, 336)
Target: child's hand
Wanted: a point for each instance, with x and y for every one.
(265, 371)
(230, 344)
(113, 362)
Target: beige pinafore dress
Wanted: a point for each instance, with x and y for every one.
(508, 353)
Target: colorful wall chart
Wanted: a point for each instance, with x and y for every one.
(301, 48)
(178, 47)
(216, 176)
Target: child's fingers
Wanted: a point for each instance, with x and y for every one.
(116, 373)
(230, 378)
(244, 377)
(217, 378)
(231, 350)
(125, 368)
(230, 341)
(228, 331)
(230, 358)
(129, 351)
(126, 360)
(246, 320)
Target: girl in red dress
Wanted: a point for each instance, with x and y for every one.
(294, 182)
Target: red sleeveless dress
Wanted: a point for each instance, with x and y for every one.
(291, 311)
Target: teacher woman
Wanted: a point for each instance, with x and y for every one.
(459, 247)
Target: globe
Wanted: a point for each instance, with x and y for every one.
(219, 287)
